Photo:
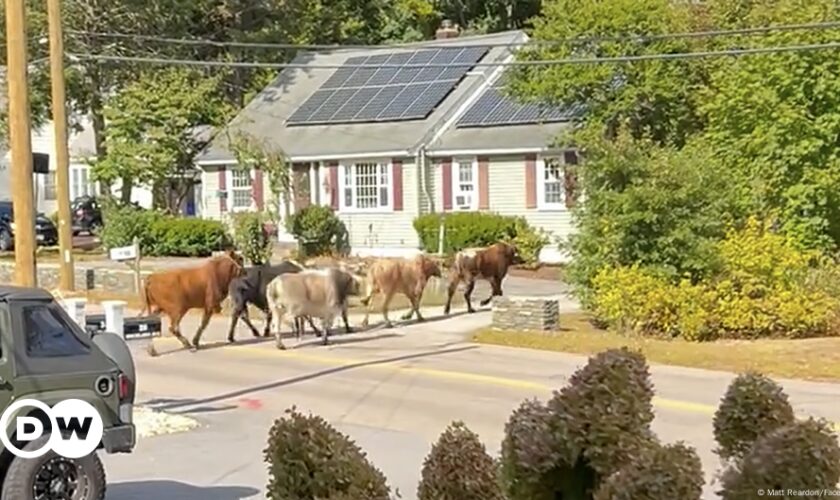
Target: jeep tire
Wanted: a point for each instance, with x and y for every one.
(23, 475)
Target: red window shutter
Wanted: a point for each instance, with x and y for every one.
(446, 177)
(483, 183)
(333, 169)
(223, 187)
(397, 171)
(531, 181)
(258, 188)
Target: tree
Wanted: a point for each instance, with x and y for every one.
(251, 152)
(153, 129)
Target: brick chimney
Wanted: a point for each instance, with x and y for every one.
(446, 30)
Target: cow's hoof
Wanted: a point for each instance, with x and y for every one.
(387, 324)
(405, 317)
(348, 330)
(420, 319)
(185, 343)
(281, 347)
(470, 310)
(446, 312)
(231, 340)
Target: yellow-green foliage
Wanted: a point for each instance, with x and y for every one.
(765, 288)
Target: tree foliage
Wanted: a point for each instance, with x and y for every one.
(153, 129)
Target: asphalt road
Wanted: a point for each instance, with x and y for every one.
(393, 391)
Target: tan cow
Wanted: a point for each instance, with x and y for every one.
(490, 263)
(405, 276)
(317, 293)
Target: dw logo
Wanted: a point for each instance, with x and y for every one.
(76, 428)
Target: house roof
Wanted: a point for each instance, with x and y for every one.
(266, 116)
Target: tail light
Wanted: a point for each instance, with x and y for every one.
(124, 386)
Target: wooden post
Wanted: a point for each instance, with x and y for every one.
(138, 284)
(441, 236)
(21, 143)
(67, 280)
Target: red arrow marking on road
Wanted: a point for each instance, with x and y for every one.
(250, 404)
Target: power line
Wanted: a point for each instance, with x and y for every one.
(540, 62)
(615, 38)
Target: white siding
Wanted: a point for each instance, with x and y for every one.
(392, 229)
(507, 197)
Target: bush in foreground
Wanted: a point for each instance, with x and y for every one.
(662, 472)
(251, 237)
(186, 237)
(753, 406)
(459, 468)
(308, 459)
(802, 456)
(319, 231)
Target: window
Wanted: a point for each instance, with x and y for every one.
(48, 334)
(50, 185)
(240, 188)
(464, 192)
(367, 186)
(551, 184)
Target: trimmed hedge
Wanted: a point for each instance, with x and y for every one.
(459, 468)
(661, 473)
(252, 238)
(161, 234)
(802, 456)
(318, 231)
(753, 406)
(477, 229)
(309, 459)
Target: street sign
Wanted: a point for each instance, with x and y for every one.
(124, 253)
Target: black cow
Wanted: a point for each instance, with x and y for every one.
(250, 289)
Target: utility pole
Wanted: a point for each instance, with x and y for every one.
(21, 143)
(62, 156)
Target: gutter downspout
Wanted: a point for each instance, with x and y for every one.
(421, 160)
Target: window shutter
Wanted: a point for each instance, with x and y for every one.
(257, 189)
(223, 187)
(483, 183)
(446, 176)
(333, 169)
(397, 178)
(531, 181)
(570, 178)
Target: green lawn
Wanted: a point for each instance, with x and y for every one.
(810, 359)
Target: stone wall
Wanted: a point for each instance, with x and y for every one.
(526, 313)
(87, 277)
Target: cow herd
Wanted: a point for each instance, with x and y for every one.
(321, 289)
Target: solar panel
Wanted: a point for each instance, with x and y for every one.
(495, 108)
(387, 94)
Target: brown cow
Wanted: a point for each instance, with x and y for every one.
(176, 291)
(406, 276)
(489, 263)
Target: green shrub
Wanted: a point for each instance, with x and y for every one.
(187, 237)
(753, 406)
(529, 240)
(308, 459)
(801, 456)
(607, 409)
(251, 237)
(459, 468)
(661, 473)
(121, 224)
(531, 455)
(765, 287)
(318, 231)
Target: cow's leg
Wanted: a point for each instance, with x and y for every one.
(367, 301)
(415, 309)
(311, 325)
(326, 324)
(247, 319)
(385, 303)
(175, 329)
(267, 329)
(347, 328)
(496, 290)
(468, 294)
(277, 316)
(450, 292)
(205, 320)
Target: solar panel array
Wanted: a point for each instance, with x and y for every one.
(387, 94)
(494, 108)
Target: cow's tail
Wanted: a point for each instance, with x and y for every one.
(146, 298)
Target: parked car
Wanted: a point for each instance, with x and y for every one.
(50, 358)
(87, 215)
(46, 234)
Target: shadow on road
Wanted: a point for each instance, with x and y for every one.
(145, 490)
(174, 404)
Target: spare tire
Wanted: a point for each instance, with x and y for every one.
(116, 348)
